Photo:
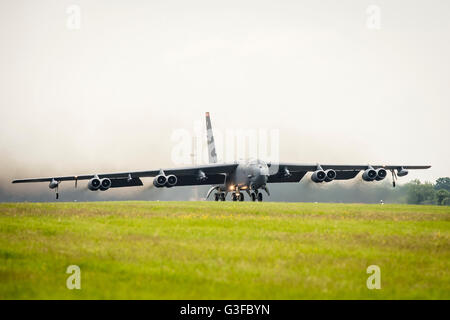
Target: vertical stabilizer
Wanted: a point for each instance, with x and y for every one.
(212, 155)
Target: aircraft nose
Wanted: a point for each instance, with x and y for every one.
(264, 171)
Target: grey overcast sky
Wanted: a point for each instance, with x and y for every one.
(107, 97)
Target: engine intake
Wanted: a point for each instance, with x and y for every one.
(159, 181)
(94, 184)
(369, 175)
(381, 174)
(171, 180)
(105, 184)
(331, 175)
(318, 176)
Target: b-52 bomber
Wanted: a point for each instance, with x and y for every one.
(249, 176)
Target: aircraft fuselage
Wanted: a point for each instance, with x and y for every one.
(250, 175)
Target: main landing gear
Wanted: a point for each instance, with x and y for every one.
(259, 196)
(256, 196)
(237, 196)
(219, 196)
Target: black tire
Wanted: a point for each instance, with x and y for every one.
(233, 197)
(260, 197)
(222, 196)
(216, 197)
(241, 197)
(253, 195)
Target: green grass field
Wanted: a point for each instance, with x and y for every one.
(210, 250)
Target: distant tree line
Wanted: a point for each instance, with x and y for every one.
(357, 191)
(427, 192)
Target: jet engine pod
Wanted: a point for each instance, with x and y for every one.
(171, 180)
(402, 172)
(331, 175)
(318, 176)
(94, 184)
(105, 184)
(159, 181)
(381, 174)
(369, 174)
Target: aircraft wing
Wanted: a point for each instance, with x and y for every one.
(313, 167)
(186, 176)
(292, 172)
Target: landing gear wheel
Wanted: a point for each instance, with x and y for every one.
(222, 196)
(216, 196)
(233, 197)
(241, 197)
(260, 197)
(253, 195)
